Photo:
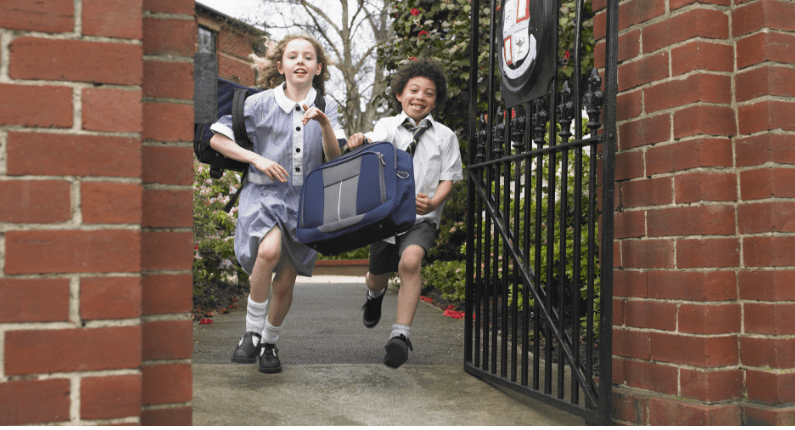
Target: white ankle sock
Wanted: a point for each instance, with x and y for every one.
(398, 329)
(255, 317)
(374, 295)
(270, 334)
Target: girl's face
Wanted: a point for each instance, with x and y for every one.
(418, 97)
(299, 63)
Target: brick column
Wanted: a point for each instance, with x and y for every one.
(704, 212)
(95, 174)
(70, 178)
(167, 236)
(764, 32)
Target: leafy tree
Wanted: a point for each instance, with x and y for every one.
(351, 32)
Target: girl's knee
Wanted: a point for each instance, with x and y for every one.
(269, 251)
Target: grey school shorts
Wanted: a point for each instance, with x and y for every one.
(384, 256)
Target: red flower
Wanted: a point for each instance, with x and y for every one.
(415, 11)
(566, 55)
(412, 58)
(422, 33)
(204, 321)
(454, 314)
(425, 299)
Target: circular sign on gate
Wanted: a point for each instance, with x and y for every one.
(527, 57)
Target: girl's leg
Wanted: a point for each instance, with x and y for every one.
(268, 255)
(283, 285)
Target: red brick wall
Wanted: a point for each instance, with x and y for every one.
(94, 150)
(705, 246)
(167, 216)
(233, 46)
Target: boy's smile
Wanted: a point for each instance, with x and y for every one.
(418, 98)
(299, 62)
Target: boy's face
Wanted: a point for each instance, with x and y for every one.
(418, 98)
(299, 63)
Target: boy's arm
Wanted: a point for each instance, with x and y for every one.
(427, 205)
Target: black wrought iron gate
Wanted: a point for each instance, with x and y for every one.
(539, 251)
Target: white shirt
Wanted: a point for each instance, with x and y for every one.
(436, 158)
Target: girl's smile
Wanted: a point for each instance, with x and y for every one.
(299, 63)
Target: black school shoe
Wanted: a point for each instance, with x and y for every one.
(269, 359)
(247, 351)
(397, 351)
(372, 310)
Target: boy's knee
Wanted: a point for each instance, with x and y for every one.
(411, 260)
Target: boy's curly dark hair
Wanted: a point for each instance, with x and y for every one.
(426, 67)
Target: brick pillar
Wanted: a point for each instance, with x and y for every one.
(167, 234)
(70, 178)
(95, 175)
(704, 212)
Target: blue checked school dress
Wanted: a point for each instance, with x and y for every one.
(273, 123)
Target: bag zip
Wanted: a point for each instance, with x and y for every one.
(381, 176)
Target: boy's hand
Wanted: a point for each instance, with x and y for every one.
(356, 140)
(424, 204)
(311, 113)
(271, 168)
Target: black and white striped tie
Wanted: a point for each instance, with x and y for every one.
(417, 132)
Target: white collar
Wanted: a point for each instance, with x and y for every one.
(402, 116)
(287, 105)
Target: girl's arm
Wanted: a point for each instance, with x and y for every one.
(330, 145)
(229, 148)
(427, 205)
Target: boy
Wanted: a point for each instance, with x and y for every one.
(419, 86)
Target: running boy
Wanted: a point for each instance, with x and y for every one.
(419, 86)
(289, 136)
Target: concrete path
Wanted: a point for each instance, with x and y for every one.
(334, 373)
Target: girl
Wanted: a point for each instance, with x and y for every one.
(290, 137)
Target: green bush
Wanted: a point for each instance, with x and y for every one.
(214, 233)
(448, 277)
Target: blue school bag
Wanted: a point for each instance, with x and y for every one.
(359, 198)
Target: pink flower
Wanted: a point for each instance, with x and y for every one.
(415, 11)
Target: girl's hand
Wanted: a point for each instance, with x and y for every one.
(271, 168)
(424, 204)
(356, 140)
(314, 113)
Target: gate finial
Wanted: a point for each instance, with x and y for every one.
(593, 100)
(565, 112)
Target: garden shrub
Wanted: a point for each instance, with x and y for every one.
(214, 259)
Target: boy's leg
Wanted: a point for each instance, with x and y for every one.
(268, 256)
(397, 349)
(410, 284)
(383, 261)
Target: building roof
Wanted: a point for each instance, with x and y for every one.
(229, 20)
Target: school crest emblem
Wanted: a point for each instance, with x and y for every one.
(527, 58)
(519, 45)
